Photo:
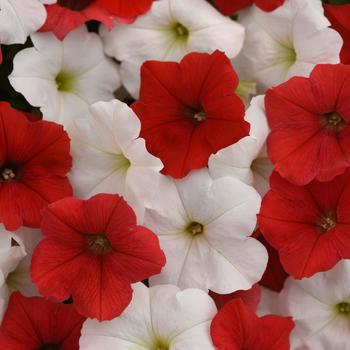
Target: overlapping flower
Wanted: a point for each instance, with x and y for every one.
(174, 175)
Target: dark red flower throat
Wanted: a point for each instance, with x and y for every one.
(99, 244)
(49, 347)
(75, 5)
(333, 121)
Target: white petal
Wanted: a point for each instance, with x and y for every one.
(221, 258)
(19, 18)
(93, 77)
(271, 37)
(161, 313)
(131, 330)
(246, 159)
(311, 302)
(187, 309)
(153, 36)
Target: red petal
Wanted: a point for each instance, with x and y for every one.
(55, 266)
(235, 327)
(339, 16)
(34, 322)
(288, 219)
(61, 20)
(269, 5)
(98, 291)
(126, 8)
(301, 148)
(171, 92)
(229, 7)
(250, 297)
(274, 275)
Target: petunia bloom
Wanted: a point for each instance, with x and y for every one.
(50, 76)
(67, 15)
(204, 227)
(34, 161)
(92, 251)
(320, 307)
(229, 7)
(161, 317)
(284, 43)
(247, 159)
(35, 323)
(309, 121)
(339, 16)
(167, 33)
(110, 157)
(308, 225)
(236, 327)
(189, 110)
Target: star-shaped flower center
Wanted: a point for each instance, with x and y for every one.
(343, 308)
(327, 222)
(181, 31)
(64, 81)
(194, 228)
(7, 174)
(160, 345)
(195, 115)
(333, 121)
(99, 244)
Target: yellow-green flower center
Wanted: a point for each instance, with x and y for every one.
(343, 308)
(194, 228)
(64, 81)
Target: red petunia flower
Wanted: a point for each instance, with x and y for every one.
(309, 120)
(67, 15)
(236, 327)
(274, 275)
(189, 110)
(250, 297)
(35, 323)
(34, 161)
(339, 16)
(229, 7)
(308, 225)
(93, 250)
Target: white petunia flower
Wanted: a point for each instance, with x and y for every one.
(287, 42)
(110, 157)
(20, 18)
(16, 250)
(247, 159)
(64, 77)
(203, 227)
(170, 30)
(320, 307)
(158, 318)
